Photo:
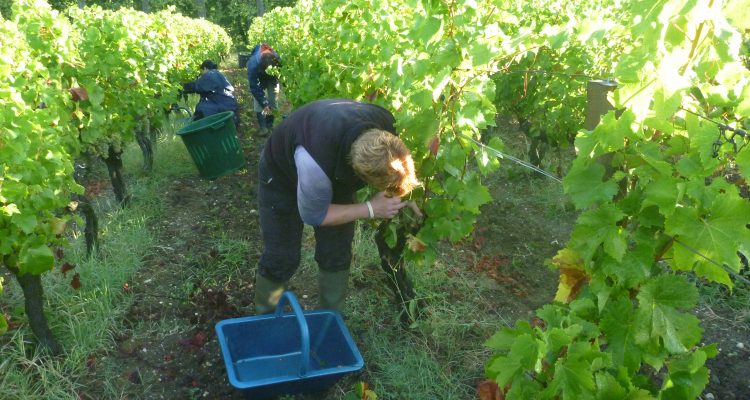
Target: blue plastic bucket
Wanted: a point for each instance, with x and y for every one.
(286, 353)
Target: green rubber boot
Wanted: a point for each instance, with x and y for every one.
(333, 288)
(267, 294)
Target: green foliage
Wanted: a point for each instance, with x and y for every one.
(5, 6)
(36, 172)
(556, 48)
(650, 181)
(653, 190)
(235, 16)
(406, 56)
(161, 51)
(361, 392)
(3, 321)
(73, 85)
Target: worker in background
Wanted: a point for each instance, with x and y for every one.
(263, 86)
(215, 91)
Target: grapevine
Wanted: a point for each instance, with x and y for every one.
(649, 180)
(71, 87)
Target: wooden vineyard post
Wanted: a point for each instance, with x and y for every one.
(596, 101)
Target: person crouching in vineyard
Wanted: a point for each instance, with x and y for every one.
(309, 171)
(263, 86)
(216, 93)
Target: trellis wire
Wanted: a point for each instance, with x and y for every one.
(549, 175)
(511, 158)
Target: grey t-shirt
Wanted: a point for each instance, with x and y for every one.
(314, 189)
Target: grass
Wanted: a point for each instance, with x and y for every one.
(735, 302)
(84, 320)
(441, 356)
(229, 264)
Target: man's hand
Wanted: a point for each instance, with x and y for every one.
(387, 207)
(267, 110)
(414, 208)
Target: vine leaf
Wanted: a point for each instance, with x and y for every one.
(659, 316)
(618, 325)
(688, 374)
(78, 94)
(66, 267)
(26, 221)
(488, 390)
(585, 186)
(415, 244)
(75, 283)
(663, 193)
(702, 135)
(573, 276)
(717, 235)
(3, 322)
(523, 355)
(573, 378)
(474, 194)
(599, 227)
(743, 160)
(36, 260)
(607, 387)
(435, 145)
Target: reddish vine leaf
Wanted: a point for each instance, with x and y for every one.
(435, 145)
(66, 267)
(195, 342)
(59, 253)
(415, 244)
(91, 362)
(488, 390)
(537, 322)
(133, 377)
(79, 94)
(75, 283)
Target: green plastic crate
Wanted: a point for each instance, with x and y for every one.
(213, 145)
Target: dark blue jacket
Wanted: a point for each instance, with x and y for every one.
(258, 78)
(217, 94)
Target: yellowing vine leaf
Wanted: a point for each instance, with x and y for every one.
(58, 226)
(573, 276)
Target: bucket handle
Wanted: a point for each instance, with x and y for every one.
(220, 124)
(217, 125)
(290, 298)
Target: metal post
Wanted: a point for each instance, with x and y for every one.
(201, 5)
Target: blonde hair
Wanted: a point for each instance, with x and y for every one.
(382, 160)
